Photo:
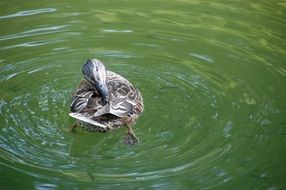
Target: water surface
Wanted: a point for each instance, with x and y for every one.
(212, 74)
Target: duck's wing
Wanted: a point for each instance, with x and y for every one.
(86, 119)
(85, 97)
(117, 107)
(80, 101)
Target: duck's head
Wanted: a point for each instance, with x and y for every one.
(94, 72)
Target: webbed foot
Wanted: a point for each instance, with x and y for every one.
(130, 137)
(72, 128)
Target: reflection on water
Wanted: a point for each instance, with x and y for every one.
(212, 75)
(28, 13)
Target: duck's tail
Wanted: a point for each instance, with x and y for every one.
(84, 118)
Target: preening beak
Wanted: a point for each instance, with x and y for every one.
(102, 89)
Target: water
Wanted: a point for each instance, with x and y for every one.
(212, 74)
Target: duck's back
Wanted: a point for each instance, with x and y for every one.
(121, 89)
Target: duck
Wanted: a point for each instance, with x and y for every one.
(105, 101)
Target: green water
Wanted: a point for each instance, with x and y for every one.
(213, 78)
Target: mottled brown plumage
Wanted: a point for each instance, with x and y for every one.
(120, 108)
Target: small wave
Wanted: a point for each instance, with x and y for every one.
(29, 13)
(117, 31)
(34, 32)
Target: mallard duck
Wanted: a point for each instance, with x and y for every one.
(105, 101)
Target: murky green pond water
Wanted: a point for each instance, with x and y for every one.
(213, 78)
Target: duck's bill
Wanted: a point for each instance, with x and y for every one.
(83, 118)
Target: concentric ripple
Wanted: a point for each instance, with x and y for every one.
(212, 75)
